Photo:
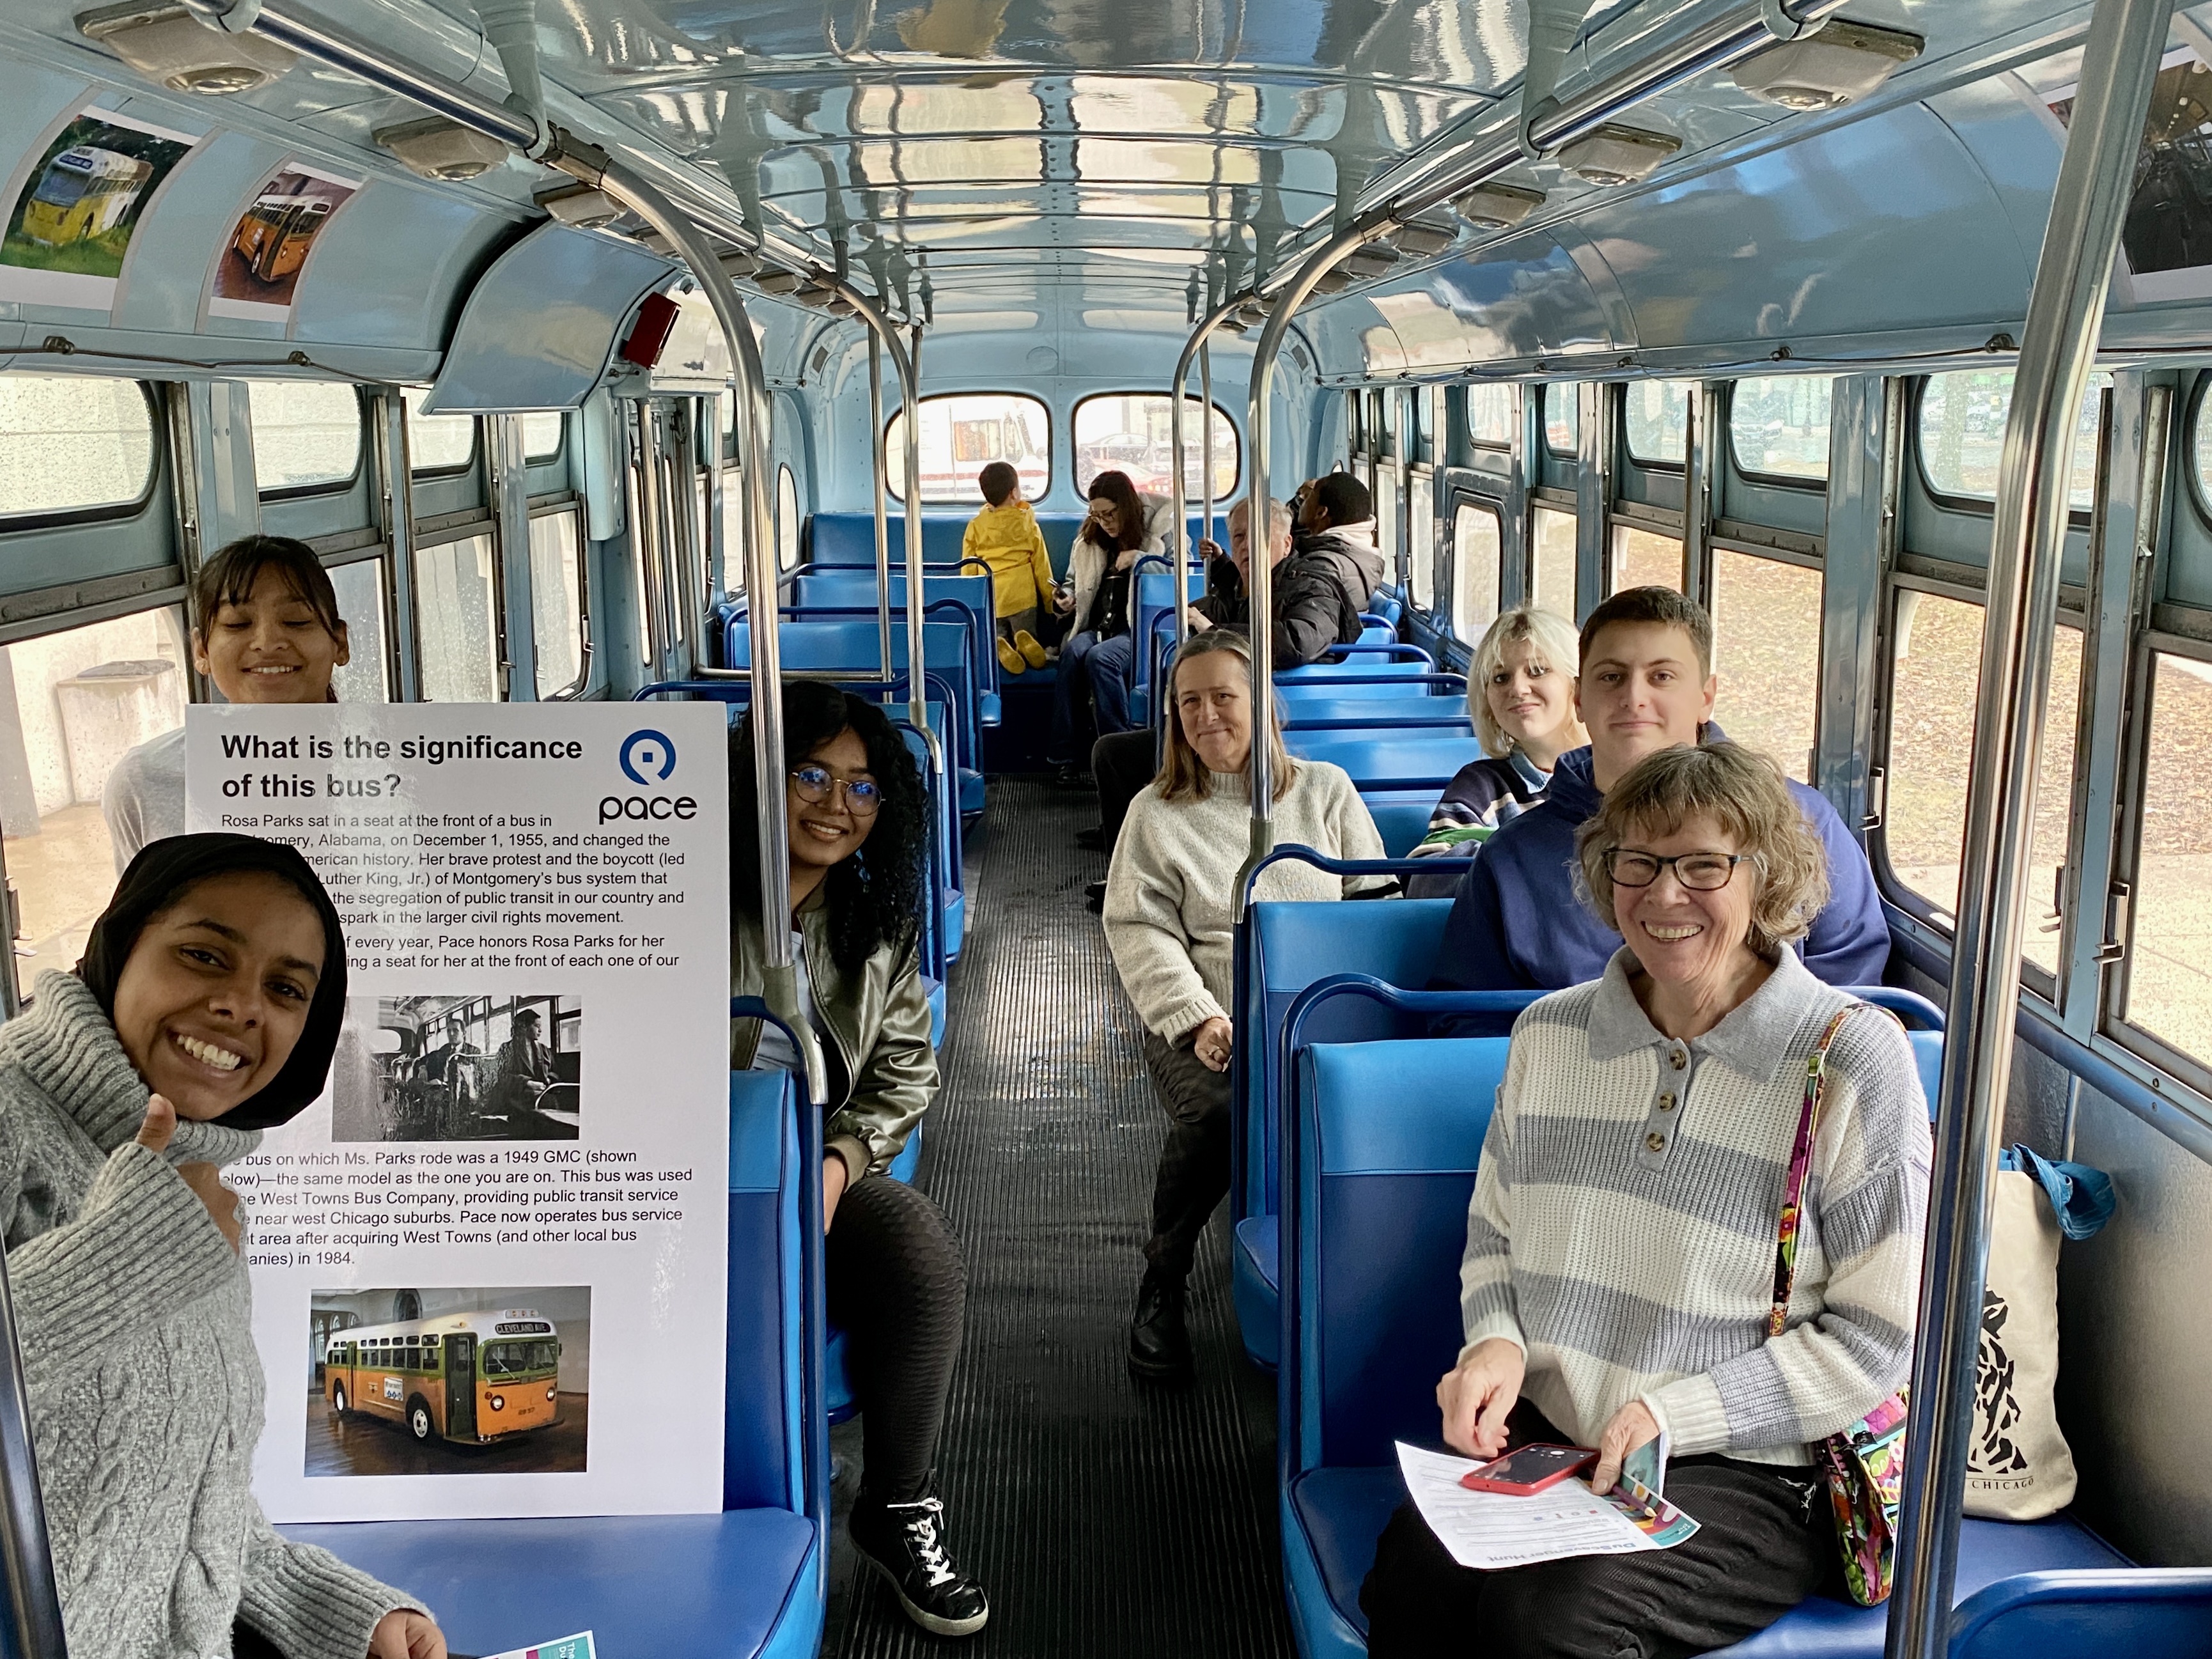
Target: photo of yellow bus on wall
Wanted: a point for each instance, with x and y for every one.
(80, 203)
(258, 272)
(477, 1389)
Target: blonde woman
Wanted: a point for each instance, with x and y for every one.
(1171, 922)
(1521, 691)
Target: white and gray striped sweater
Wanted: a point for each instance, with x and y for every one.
(1623, 1227)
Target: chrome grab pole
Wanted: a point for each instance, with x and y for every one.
(2065, 308)
(33, 1627)
(876, 469)
(1259, 582)
(1177, 492)
(1205, 475)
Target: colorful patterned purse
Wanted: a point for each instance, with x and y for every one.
(1864, 1465)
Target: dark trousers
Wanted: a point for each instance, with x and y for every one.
(1765, 1542)
(1123, 762)
(899, 1290)
(1194, 1172)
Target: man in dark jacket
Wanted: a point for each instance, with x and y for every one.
(1646, 684)
(1336, 521)
(1314, 603)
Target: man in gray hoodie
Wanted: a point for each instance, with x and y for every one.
(1336, 518)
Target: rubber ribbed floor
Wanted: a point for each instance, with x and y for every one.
(1102, 1519)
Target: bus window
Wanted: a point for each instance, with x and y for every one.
(1962, 424)
(786, 519)
(83, 698)
(1767, 652)
(541, 434)
(1130, 432)
(1476, 545)
(69, 443)
(1421, 539)
(1656, 423)
(359, 589)
(557, 606)
(1778, 426)
(963, 432)
(454, 602)
(438, 443)
(1562, 420)
(2169, 972)
(307, 435)
(1490, 415)
(1553, 567)
(1386, 520)
(1644, 558)
(1936, 649)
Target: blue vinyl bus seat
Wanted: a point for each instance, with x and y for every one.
(1354, 713)
(970, 589)
(852, 646)
(1390, 1138)
(1383, 760)
(1151, 621)
(1367, 666)
(1329, 681)
(746, 1582)
(1401, 822)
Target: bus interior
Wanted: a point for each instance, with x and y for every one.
(660, 344)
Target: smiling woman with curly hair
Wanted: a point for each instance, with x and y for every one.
(858, 820)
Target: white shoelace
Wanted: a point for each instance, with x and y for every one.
(922, 1535)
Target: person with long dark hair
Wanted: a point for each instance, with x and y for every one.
(265, 628)
(206, 1008)
(1099, 655)
(859, 826)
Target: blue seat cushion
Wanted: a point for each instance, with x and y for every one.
(1340, 1512)
(1255, 1263)
(971, 790)
(706, 1586)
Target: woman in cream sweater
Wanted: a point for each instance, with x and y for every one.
(1171, 922)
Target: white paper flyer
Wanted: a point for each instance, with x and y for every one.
(488, 1272)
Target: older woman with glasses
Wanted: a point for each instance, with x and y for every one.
(1621, 1245)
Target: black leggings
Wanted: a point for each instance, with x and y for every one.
(1193, 1177)
(899, 1290)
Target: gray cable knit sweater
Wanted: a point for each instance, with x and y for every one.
(146, 1391)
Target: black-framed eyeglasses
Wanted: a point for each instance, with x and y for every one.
(817, 784)
(1701, 872)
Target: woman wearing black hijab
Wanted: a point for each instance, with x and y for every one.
(206, 1008)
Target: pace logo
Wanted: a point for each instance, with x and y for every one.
(651, 751)
(647, 758)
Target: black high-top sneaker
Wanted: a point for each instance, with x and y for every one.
(906, 1543)
(1159, 1341)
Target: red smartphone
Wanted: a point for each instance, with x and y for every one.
(1529, 1469)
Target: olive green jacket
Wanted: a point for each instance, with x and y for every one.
(882, 1069)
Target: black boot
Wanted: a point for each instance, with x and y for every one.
(905, 1542)
(1159, 1342)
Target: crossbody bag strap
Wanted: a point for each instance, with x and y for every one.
(1801, 1169)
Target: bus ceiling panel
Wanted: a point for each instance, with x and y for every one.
(541, 325)
(398, 265)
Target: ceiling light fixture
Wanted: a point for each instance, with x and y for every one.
(774, 280)
(1373, 260)
(580, 206)
(739, 264)
(1422, 241)
(441, 150)
(1497, 207)
(1836, 63)
(164, 42)
(1615, 155)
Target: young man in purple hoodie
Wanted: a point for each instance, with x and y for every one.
(1646, 683)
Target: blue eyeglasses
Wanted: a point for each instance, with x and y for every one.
(816, 784)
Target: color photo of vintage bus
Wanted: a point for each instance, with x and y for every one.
(472, 1378)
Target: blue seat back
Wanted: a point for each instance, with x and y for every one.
(849, 538)
(1400, 823)
(763, 1430)
(1291, 944)
(1382, 759)
(1367, 667)
(850, 590)
(854, 647)
(2146, 1612)
(1354, 712)
(1390, 1135)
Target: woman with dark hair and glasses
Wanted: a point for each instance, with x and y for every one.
(859, 828)
(1099, 653)
(265, 628)
(1618, 1281)
(206, 1009)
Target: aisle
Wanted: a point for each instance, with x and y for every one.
(1104, 1521)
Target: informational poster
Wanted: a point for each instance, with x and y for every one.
(488, 1263)
(70, 228)
(258, 272)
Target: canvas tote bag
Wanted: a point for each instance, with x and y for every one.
(2018, 1465)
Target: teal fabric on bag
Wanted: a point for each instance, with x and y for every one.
(2082, 1198)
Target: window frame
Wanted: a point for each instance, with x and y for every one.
(1191, 434)
(61, 518)
(1490, 445)
(1574, 450)
(2199, 499)
(1051, 454)
(1985, 507)
(787, 480)
(1774, 480)
(1628, 450)
(334, 486)
(1473, 500)
(417, 473)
